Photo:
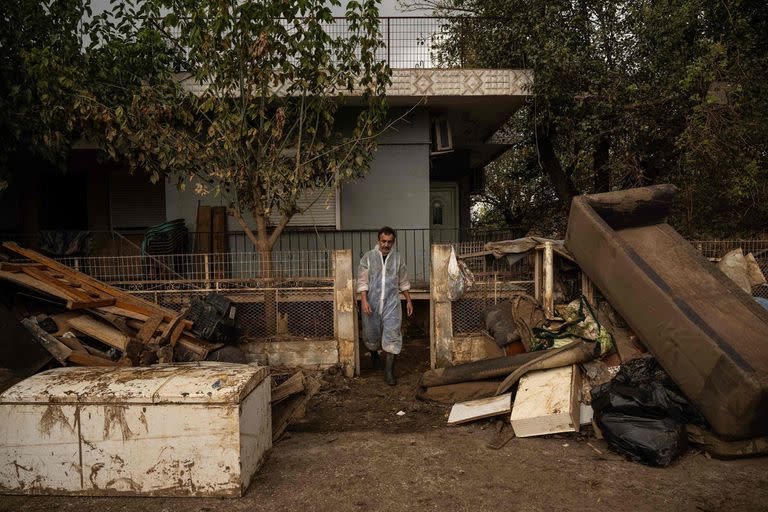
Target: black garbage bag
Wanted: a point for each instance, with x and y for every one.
(642, 414)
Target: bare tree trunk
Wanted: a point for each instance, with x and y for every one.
(600, 165)
(270, 294)
(263, 243)
(550, 163)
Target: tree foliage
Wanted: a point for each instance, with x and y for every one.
(253, 113)
(634, 93)
(35, 36)
(238, 99)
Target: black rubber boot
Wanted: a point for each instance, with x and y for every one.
(376, 360)
(389, 369)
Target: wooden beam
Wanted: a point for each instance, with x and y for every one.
(56, 348)
(588, 290)
(548, 296)
(345, 313)
(86, 359)
(472, 410)
(150, 326)
(124, 299)
(89, 304)
(441, 319)
(294, 384)
(97, 329)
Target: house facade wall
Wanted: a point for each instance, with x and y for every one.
(396, 190)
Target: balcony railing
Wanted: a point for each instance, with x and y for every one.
(415, 41)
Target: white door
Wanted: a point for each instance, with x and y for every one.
(444, 213)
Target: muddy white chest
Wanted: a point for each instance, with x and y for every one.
(199, 429)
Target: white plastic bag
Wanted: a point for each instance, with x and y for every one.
(459, 277)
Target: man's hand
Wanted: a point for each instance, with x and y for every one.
(409, 307)
(366, 307)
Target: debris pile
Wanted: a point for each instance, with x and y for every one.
(290, 398)
(81, 321)
(704, 382)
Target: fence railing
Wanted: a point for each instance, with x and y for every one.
(206, 272)
(414, 41)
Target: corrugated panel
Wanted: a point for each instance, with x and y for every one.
(135, 202)
(320, 206)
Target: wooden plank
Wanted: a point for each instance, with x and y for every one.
(73, 343)
(620, 332)
(547, 402)
(165, 337)
(118, 322)
(42, 275)
(472, 410)
(89, 304)
(203, 230)
(220, 244)
(19, 267)
(148, 309)
(178, 330)
(538, 264)
(548, 296)
(588, 290)
(441, 319)
(124, 312)
(294, 384)
(86, 359)
(283, 412)
(124, 299)
(56, 348)
(81, 292)
(150, 326)
(345, 312)
(31, 283)
(97, 329)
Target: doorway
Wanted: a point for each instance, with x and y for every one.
(444, 213)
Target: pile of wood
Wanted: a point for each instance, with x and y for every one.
(96, 324)
(290, 398)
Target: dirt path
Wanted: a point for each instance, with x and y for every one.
(353, 453)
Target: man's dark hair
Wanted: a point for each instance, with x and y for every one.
(386, 230)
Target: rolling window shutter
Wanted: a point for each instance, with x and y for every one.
(319, 209)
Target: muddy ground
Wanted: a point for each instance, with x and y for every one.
(353, 453)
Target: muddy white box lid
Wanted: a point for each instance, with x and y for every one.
(203, 382)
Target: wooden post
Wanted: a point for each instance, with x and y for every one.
(548, 300)
(587, 289)
(441, 319)
(344, 312)
(206, 264)
(538, 262)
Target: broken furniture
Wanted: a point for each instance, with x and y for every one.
(704, 330)
(547, 402)
(197, 429)
(140, 331)
(290, 399)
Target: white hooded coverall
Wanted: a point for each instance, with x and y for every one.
(383, 279)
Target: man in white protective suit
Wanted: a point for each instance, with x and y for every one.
(381, 277)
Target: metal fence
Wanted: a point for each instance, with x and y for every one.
(408, 41)
(299, 285)
(412, 243)
(716, 249)
(207, 272)
(496, 281)
(305, 312)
